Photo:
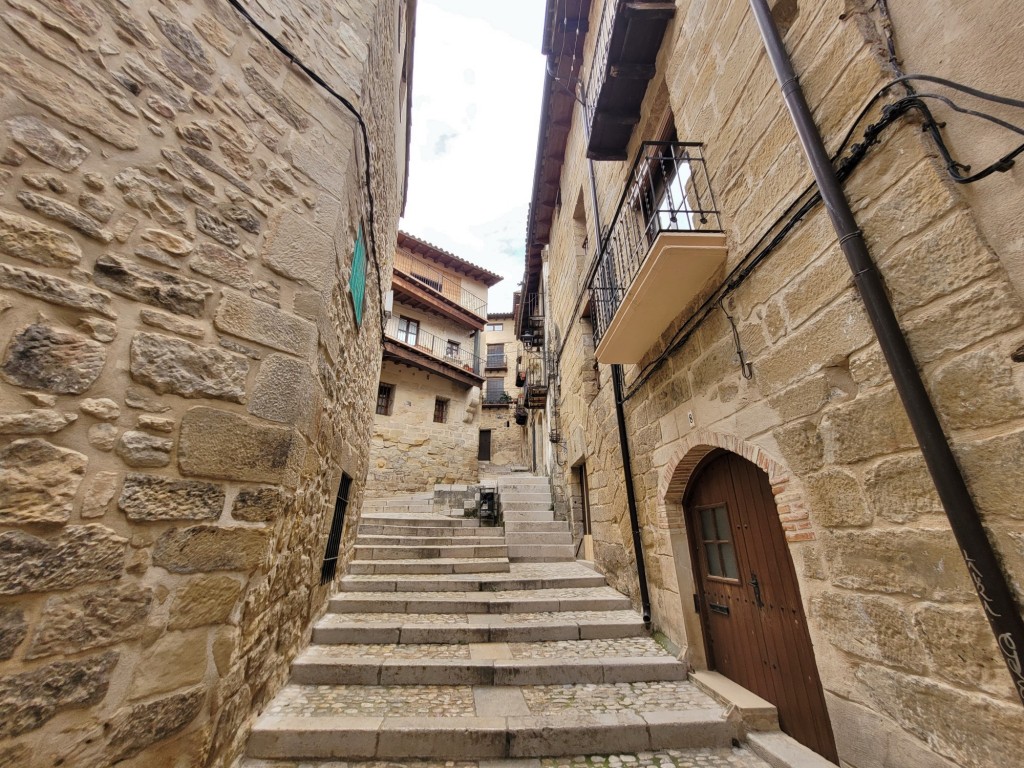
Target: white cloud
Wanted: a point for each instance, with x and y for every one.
(476, 107)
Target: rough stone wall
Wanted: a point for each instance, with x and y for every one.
(911, 672)
(409, 451)
(183, 383)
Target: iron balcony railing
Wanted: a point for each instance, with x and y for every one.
(443, 349)
(599, 66)
(668, 190)
(532, 335)
(430, 276)
(496, 360)
(496, 397)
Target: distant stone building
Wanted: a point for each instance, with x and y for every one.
(426, 426)
(502, 426)
(191, 269)
(791, 535)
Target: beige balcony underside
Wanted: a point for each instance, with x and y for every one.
(677, 267)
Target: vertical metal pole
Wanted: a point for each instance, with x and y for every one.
(991, 584)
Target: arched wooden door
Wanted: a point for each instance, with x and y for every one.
(754, 624)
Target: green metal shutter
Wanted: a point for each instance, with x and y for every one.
(357, 281)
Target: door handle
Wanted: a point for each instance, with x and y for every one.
(757, 589)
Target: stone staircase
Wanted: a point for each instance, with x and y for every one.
(533, 534)
(439, 651)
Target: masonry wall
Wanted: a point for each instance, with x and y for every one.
(410, 452)
(508, 439)
(911, 671)
(183, 381)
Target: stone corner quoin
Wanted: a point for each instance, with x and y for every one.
(182, 380)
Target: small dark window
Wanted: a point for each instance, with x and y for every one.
(408, 330)
(440, 411)
(385, 399)
(452, 349)
(716, 538)
(330, 566)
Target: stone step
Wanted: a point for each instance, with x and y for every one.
(562, 537)
(320, 665)
(699, 757)
(431, 567)
(535, 526)
(525, 506)
(534, 601)
(463, 627)
(383, 540)
(398, 552)
(540, 553)
(431, 520)
(464, 583)
(512, 498)
(474, 722)
(523, 515)
(425, 530)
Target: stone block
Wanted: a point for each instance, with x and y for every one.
(55, 290)
(900, 489)
(40, 421)
(222, 265)
(298, 250)
(825, 340)
(43, 357)
(151, 286)
(215, 443)
(801, 446)
(81, 555)
(870, 627)
(151, 498)
(934, 713)
(176, 660)
(46, 143)
(919, 562)
(139, 449)
(204, 548)
(257, 321)
(871, 425)
(29, 240)
(960, 644)
(217, 228)
(99, 494)
(38, 482)
(100, 617)
(284, 390)
(102, 408)
(292, 113)
(65, 214)
(961, 399)
(258, 505)
(132, 729)
(13, 629)
(204, 600)
(30, 699)
(102, 436)
(836, 499)
(165, 364)
(995, 474)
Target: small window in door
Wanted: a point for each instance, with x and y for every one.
(716, 541)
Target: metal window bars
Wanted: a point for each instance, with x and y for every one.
(435, 346)
(668, 190)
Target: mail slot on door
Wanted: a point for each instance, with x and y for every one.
(716, 608)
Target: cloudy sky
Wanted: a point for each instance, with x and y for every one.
(477, 84)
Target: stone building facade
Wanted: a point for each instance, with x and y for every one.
(427, 420)
(191, 285)
(909, 672)
(502, 438)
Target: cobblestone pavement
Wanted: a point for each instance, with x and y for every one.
(398, 619)
(411, 652)
(370, 700)
(620, 697)
(587, 649)
(673, 758)
(516, 571)
(510, 594)
(570, 616)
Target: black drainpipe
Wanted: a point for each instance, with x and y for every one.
(991, 584)
(620, 418)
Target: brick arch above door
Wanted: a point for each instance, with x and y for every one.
(694, 447)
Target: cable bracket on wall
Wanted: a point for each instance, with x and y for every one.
(746, 368)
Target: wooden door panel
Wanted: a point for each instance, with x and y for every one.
(762, 642)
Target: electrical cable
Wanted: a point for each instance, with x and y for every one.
(367, 175)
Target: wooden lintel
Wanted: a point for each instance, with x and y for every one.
(617, 118)
(633, 71)
(649, 10)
